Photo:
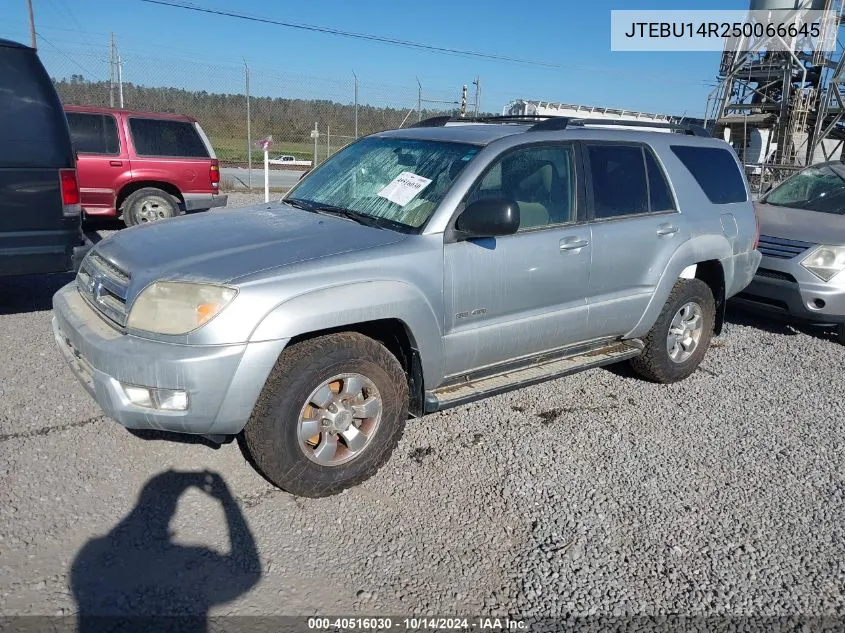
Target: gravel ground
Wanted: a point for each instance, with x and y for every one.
(595, 494)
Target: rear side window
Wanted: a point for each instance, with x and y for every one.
(33, 130)
(620, 185)
(160, 137)
(716, 172)
(93, 133)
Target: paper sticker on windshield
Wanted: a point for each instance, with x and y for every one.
(404, 187)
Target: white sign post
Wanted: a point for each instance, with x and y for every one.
(315, 134)
(264, 144)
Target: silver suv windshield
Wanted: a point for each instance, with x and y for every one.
(814, 189)
(387, 182)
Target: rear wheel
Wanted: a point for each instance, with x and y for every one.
(681, 335)
(149, 205)
(330, 415)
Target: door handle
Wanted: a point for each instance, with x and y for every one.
(573, 245)
(667, 229)
(116, 163)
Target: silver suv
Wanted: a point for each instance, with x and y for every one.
(415, 270)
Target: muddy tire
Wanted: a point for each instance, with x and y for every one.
(679, 339)
(149, 205)
(330, 415)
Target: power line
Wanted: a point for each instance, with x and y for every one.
(66, 10)
(360, 36)
(66, 56)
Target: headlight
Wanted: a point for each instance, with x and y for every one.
(825, 262)
(171, 307)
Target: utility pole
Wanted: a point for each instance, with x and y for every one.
(111, 72)
(477, 84)
(248, 128)
(32, 39)
(356, 103)
(419, 100)
(315, 134)
(120, 79)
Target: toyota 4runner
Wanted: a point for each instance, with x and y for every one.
(415, 270)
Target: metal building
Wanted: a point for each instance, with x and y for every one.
(782, 110)
(522, 107)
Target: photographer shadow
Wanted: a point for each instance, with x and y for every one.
(135, 578)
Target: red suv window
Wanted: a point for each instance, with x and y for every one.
(94, 133)
(160, 137)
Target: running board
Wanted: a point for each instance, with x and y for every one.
(455, 395)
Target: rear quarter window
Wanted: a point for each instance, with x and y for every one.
(33, 129)
(716, 172)
(160, 137)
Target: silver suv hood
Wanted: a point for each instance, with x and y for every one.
(222, 246)
(801, 225)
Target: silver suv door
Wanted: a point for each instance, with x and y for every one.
(636, 228)
(525, 293)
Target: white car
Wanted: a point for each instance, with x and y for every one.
(287, 159)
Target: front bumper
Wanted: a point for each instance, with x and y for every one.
(792, 294)
(223, 382)
(202, 201)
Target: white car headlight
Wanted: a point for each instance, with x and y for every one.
(175, 307)
(825, 262)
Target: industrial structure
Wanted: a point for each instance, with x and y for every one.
(525, 107)
(782, 109)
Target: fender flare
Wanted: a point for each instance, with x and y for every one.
(360, 302)
(695, 250)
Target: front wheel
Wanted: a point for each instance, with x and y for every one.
(331, 413)
(681, 335)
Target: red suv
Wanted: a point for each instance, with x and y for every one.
(146, 166)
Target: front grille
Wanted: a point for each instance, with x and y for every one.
(782, 248)
(104, 286)
(775, 274)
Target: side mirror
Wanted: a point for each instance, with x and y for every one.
(488, 217)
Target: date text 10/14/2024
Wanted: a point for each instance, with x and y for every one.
(415, 624)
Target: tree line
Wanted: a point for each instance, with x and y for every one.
(223, 115)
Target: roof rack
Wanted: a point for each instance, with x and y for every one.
(680, 128)
(549, 123)
(440, 121)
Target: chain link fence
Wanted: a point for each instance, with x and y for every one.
(237, 105)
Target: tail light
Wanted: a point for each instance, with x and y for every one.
(71, 202)
(757, 225)
(214, 174)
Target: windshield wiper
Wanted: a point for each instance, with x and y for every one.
(315, 207)
(305, 205)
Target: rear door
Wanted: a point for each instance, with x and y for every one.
(170, 151)
(35, 235)
(102, 165)
(635, 229)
